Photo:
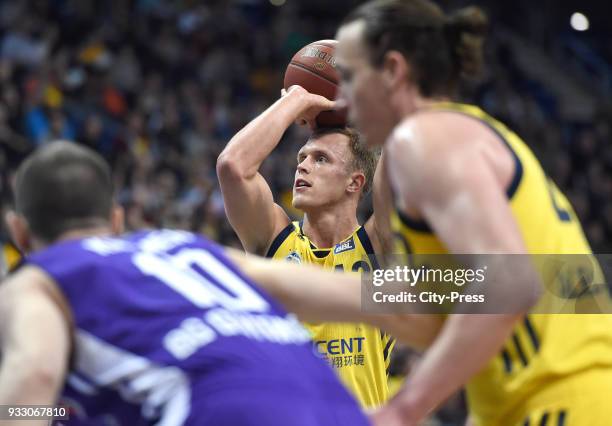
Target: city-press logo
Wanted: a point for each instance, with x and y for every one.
(294, 257)
(345, 246)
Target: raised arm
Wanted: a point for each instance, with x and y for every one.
(34, 340)
(454, 188)
(249, 203)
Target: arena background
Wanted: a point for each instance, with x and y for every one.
(159, 87)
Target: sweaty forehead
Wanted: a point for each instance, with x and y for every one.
(335, 144)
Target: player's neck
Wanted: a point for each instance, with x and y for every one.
(97, 231)
(413, 102)
(326, 229)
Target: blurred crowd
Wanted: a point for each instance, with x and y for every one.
(160, 87)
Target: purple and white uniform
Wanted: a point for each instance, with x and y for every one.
(168, 331)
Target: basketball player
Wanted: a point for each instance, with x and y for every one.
(152, 327)
(334, 170)
(465, 183)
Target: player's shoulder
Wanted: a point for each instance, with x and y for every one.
(434, 126)
(363, 238)
(289, 237)
(25, 279)
(427, 140)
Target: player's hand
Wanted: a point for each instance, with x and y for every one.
(310, 105)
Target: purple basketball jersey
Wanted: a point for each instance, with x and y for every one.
(168, 331)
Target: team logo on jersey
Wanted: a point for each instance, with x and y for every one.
(345, 246)
(294, 257)
(340, 353)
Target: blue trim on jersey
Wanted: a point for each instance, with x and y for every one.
(364, 238)
(519, 349)
(532, 334)
(415, 224)
(279, 239)
(507, 360)
(561, 418)
(387, 347)
(422, 226)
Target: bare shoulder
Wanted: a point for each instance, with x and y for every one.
(27, 277)
(30, 280)
(428, 143)
(435, 134)
(433, 154)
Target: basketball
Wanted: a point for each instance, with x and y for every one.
(314, 68)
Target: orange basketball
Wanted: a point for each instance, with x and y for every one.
(314, 68)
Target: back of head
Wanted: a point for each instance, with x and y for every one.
(63, 187)
(440, 48)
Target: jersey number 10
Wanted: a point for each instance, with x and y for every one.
(202, 279)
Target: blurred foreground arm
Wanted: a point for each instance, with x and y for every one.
(317, 295)
(34, 341)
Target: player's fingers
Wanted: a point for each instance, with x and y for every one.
(294, 87)
(340, 103)
(325, 104)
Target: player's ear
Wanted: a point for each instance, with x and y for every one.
(395, 69)
(357, 182)
(19, 230)
(117, 220)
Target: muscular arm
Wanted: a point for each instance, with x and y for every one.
(378, 225)
(317, 295)
(249, 203)
(456, 192)
(34, 340)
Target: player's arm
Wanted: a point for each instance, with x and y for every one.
(457, 193)
(34, 340)
(249, 203)
(317, 295)
(378, 225)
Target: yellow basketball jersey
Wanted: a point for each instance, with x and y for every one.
(358, 352)
(546, 354)
(9, 259)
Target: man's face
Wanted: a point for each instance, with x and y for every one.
(322, 175)
(363, 87)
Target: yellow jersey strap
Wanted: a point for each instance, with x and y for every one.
(280, 239)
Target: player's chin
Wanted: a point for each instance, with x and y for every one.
(302, 201)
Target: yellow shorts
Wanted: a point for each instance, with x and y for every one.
(583, 399)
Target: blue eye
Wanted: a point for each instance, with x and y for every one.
(321, 158)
